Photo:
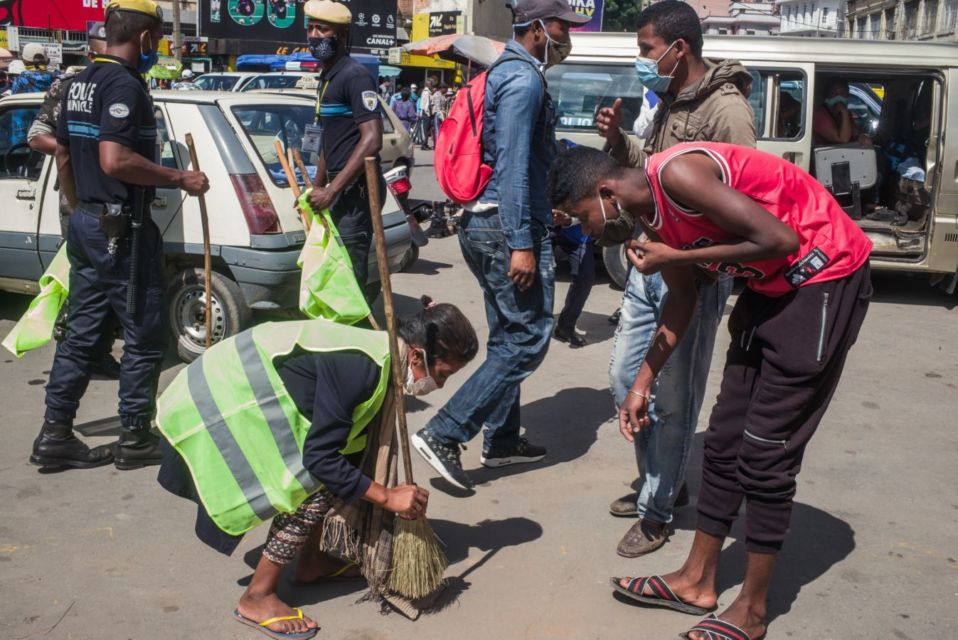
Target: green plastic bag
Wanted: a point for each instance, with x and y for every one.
(328, 288)
(35, 328)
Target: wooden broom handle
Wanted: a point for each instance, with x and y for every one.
(207, 255)
(375, 210)
(291, 179)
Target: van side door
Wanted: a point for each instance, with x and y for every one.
(782, 101)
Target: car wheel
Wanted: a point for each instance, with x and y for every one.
(616, 264)
(187, 317)
(408, 260)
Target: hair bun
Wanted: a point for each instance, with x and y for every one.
(427, 302)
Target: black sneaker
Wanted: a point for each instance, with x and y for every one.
(614, 318)
(523, 452)
(571, 338)
(443, 457)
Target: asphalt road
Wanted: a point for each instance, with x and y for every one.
(106, 554)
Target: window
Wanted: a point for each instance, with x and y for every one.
(581, 90)
(948, 15)
(216, 82)
(273, 82)
(788, 122)
(825, 14)
(911, 21)
(929, 17)
(17, 160)
(860, 28)
(165, 145)
(264, 124)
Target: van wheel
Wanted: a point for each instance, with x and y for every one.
(616, 264)
(187, 317)
(410, 257)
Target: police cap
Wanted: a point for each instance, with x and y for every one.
(328, 11)
(146, 7)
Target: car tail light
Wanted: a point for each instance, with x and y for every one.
(400, 187)
(257, 206)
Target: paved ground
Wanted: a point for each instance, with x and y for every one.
(109, 555)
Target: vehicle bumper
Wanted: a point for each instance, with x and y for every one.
(268, 279)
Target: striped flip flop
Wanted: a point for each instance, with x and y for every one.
(715, 628)
(661, 595)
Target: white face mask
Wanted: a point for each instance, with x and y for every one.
(605, 219)
(422, 386)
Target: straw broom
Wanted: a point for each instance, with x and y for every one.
(418, 564)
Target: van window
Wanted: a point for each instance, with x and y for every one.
(264, 124)
(216, 83)
(788, 89)
(166, 153)
(17, 160)
(580, 90)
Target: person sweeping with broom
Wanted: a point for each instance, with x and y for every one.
(272, 423)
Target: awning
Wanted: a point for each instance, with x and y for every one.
(386, 71)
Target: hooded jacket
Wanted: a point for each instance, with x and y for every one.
(715, 109)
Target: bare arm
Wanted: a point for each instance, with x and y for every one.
(124, 164)
(843, 132)
(65, 171)
(370, 143)
(45, 143)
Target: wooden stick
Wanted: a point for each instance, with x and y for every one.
(375, 209)
(207, 255)
(291, 179)
(299, 164)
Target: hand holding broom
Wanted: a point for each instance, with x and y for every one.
(418, 564)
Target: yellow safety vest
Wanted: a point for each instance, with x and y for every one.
(232, 420)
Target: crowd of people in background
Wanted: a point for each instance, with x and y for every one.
(421, 112)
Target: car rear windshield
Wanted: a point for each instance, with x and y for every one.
(580, 90)
(265, 124)
(272, 82)
(216, 83)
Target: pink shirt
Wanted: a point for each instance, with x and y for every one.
(831, 245)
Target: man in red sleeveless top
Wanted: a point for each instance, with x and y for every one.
(755, 216)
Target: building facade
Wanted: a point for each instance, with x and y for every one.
(815, 18)
(901, 20)
(744, 19)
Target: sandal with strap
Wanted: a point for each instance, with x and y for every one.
(715, 628)
(277, 635)
(662, 595)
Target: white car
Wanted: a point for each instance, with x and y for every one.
(256, 234)
(277, 80)
(232, 81)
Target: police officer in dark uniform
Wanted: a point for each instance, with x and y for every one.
(348, 129)
(106, 147)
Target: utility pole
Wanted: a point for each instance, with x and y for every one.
(177, 31)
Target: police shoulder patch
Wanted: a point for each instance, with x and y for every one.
(370, 100)
(119, 110)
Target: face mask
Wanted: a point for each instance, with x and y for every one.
(834, 100)
(422, 386)
(556, 51)
(648, 71)
(323, 48)
(148, 60)
(605, 219)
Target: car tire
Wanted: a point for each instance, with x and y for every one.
(231, 314)
(616, 264)
(412, 255)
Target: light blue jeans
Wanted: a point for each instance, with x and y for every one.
(662, 449)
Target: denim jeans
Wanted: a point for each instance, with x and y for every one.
(520, 326)
(662, 449)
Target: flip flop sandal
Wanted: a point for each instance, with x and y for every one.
(663, 595)
(715, 628)
(277, 635)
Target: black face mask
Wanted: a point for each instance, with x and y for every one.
(323, 48)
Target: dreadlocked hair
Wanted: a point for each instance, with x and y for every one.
(443, 331)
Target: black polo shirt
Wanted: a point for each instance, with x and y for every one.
(107, 101)
(348, 97)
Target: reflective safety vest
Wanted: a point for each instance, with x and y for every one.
(35, 328)
(233, 422)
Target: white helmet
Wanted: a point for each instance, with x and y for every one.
(16, 67)
(187, 74)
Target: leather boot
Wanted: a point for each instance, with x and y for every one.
(56, 447)
(138, 448)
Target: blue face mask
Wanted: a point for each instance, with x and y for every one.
(323, 48)
(148, 61)
(648, 71)
(834, 100)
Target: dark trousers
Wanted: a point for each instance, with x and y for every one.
(783, 367)
(582, 264)
(98, 292)
(353, 220)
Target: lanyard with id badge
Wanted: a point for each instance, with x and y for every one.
(313, 133)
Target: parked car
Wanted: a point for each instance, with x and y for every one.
(276, 80)
(256, 234)
(902, 93)
(233, 81)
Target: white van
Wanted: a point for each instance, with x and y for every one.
(904, 94)
(255, 232)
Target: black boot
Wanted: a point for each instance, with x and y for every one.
(56, 447)
(138, 448)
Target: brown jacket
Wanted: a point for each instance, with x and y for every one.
(716, 109)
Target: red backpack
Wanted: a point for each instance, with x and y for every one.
(461, 173)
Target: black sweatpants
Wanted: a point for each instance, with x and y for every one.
(353, 219)
(783, 366)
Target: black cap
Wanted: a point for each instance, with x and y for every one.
(526, 11)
